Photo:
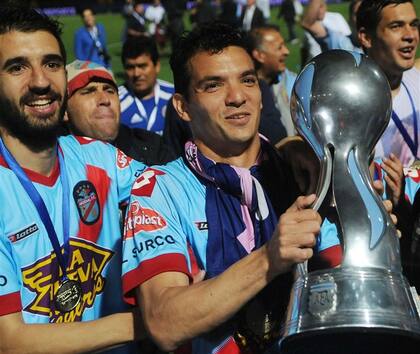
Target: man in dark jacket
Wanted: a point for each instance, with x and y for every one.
(93, 110)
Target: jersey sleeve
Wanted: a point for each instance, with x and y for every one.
(128, 170)
(154, 241)
(10, 300)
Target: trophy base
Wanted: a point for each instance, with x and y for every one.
(346, 310)
(351, 341)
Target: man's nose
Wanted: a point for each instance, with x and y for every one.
(235, 95)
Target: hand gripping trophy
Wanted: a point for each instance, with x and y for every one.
(341, 104)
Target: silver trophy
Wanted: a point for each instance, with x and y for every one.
(341, 104)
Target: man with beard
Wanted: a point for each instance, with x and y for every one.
(60, 253)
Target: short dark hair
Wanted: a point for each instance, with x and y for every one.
(369, 13)
(23, 19)
(208, 37)
(136, 46)
(81, 10)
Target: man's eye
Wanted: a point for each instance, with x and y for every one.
(15, 69)
(250, 81)
(211, 86)
(54, 65)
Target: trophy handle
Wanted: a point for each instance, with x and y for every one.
(324, 181)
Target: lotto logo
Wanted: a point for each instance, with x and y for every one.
(144, 185)
(142, 219)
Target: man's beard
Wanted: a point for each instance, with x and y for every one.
(36, 133)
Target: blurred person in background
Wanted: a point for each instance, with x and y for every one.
(155, 15)
(327, 34)
(90, 40)
(136, 23)
(269, 52)
(175, 10)
(143, 96)
(251, 16)
(287, 11)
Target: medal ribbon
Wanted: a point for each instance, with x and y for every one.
(152, 119)
(413, 145)
(42, 209)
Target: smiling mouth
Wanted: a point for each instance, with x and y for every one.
(44, 103)
(407, 51)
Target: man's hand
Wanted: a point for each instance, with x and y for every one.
(294, 236)
(394, 178)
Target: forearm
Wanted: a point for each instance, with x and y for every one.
(79, 337)
(181, 313)
(310, 20)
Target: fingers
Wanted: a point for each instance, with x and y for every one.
(302, 202)
(199, 276)
(379, 187)
(295, 235)
(388, 205)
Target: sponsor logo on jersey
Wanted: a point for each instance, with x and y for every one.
(153, 243)
(144, 185)
(123, 160)
(23, 233)
(87, 201)
(3, 280)
(142, 219)
(86, 265)
(202, 225)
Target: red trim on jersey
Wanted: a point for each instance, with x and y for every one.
(10, 303)
(102, 182)
(172, 262)
(329, 258)
(194, 264)
(36, 177)
(84, 140)
(228, 347)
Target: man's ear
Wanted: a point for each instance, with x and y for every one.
(258, 55)
(365, 38)
(181, 107)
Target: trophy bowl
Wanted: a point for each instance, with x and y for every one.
(341, 104)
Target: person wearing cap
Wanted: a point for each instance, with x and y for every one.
(93, 110)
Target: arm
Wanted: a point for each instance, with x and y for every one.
(169, 304)
(310, 20)
(18, 337)
(79, 52)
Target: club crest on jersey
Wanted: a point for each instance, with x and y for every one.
(413, 173)
(86, 265)
(87, 201)
(123, 160)
(145, 183)
(142, 219)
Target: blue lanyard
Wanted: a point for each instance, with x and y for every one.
(413, 145)
(42, 209)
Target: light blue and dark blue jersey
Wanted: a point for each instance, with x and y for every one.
(148, 114)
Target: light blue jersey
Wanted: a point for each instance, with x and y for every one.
(100, 178)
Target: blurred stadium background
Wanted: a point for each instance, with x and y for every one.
(108, 12)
